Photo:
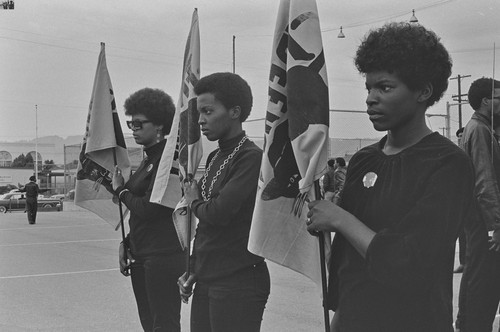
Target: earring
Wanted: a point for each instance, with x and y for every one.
(158, 137)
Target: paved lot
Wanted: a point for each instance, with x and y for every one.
(61, 275)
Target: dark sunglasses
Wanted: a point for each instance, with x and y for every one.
(136, 124)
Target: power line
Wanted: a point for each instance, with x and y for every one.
(388, 17)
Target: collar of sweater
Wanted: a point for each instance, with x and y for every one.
(155, 149)
(231, 143)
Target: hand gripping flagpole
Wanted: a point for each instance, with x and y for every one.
(322, 258)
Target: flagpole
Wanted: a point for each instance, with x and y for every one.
(492, 105)
(190, 176)
(122, 224)
(322, 258)
(188, 240)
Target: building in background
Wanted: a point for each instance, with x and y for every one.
(60, 176)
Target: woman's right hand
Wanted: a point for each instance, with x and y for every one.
(325, 216)
(124, 259)
(186, 286)
(191, 191)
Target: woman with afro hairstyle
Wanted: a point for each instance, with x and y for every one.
(151, 253)
(404, 199)
(231, 285)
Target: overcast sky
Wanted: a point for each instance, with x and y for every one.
(49, 53)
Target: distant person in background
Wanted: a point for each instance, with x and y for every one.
(328, 180)
(31, 189)
(333, 181)
(339, 178)
(480, 285)
(461, 236)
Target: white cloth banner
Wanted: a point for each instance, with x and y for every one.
(103, 148)
(296, 136)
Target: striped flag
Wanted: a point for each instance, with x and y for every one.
(296, 142)
(187, 145)
(103, 147)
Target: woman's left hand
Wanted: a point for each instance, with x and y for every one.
(325, 216)
(118, 180)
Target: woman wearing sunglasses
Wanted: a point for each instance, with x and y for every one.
(151, 253)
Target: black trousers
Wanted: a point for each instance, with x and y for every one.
(154, 280)
(480, 285)
(233, 303)
(31, 209)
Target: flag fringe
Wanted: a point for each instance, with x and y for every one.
(298, 204)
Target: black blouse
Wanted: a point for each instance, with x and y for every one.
(416, 202)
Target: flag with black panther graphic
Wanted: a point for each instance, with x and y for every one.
(296, 141)
(103, 147)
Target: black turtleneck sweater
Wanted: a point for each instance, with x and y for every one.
(152, 230)
(220, 246)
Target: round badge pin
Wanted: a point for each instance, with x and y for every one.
(369, 179)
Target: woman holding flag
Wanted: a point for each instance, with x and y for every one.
(151, 253)
(232, 284)
(405, 198)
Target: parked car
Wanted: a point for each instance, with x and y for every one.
(17, 202)
(71, 194)
(58, 196)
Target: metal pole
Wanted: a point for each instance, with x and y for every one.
(459, 103)
(492, 108)
(120, 208)
(322, 258)
(447, 119)
(234, 54)
(65, 191)
(36, 143)
(188, 242)
(459, 81)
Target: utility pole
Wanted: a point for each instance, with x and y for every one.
(459, 97)
(234, 54)
(65, 191)
(446, 128)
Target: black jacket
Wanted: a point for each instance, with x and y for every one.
(152, 230)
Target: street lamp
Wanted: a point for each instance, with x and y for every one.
(341, 34)
(413, 18)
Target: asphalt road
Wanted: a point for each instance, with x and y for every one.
(61, 275)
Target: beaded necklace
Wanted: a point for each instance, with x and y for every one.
(206, 197)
